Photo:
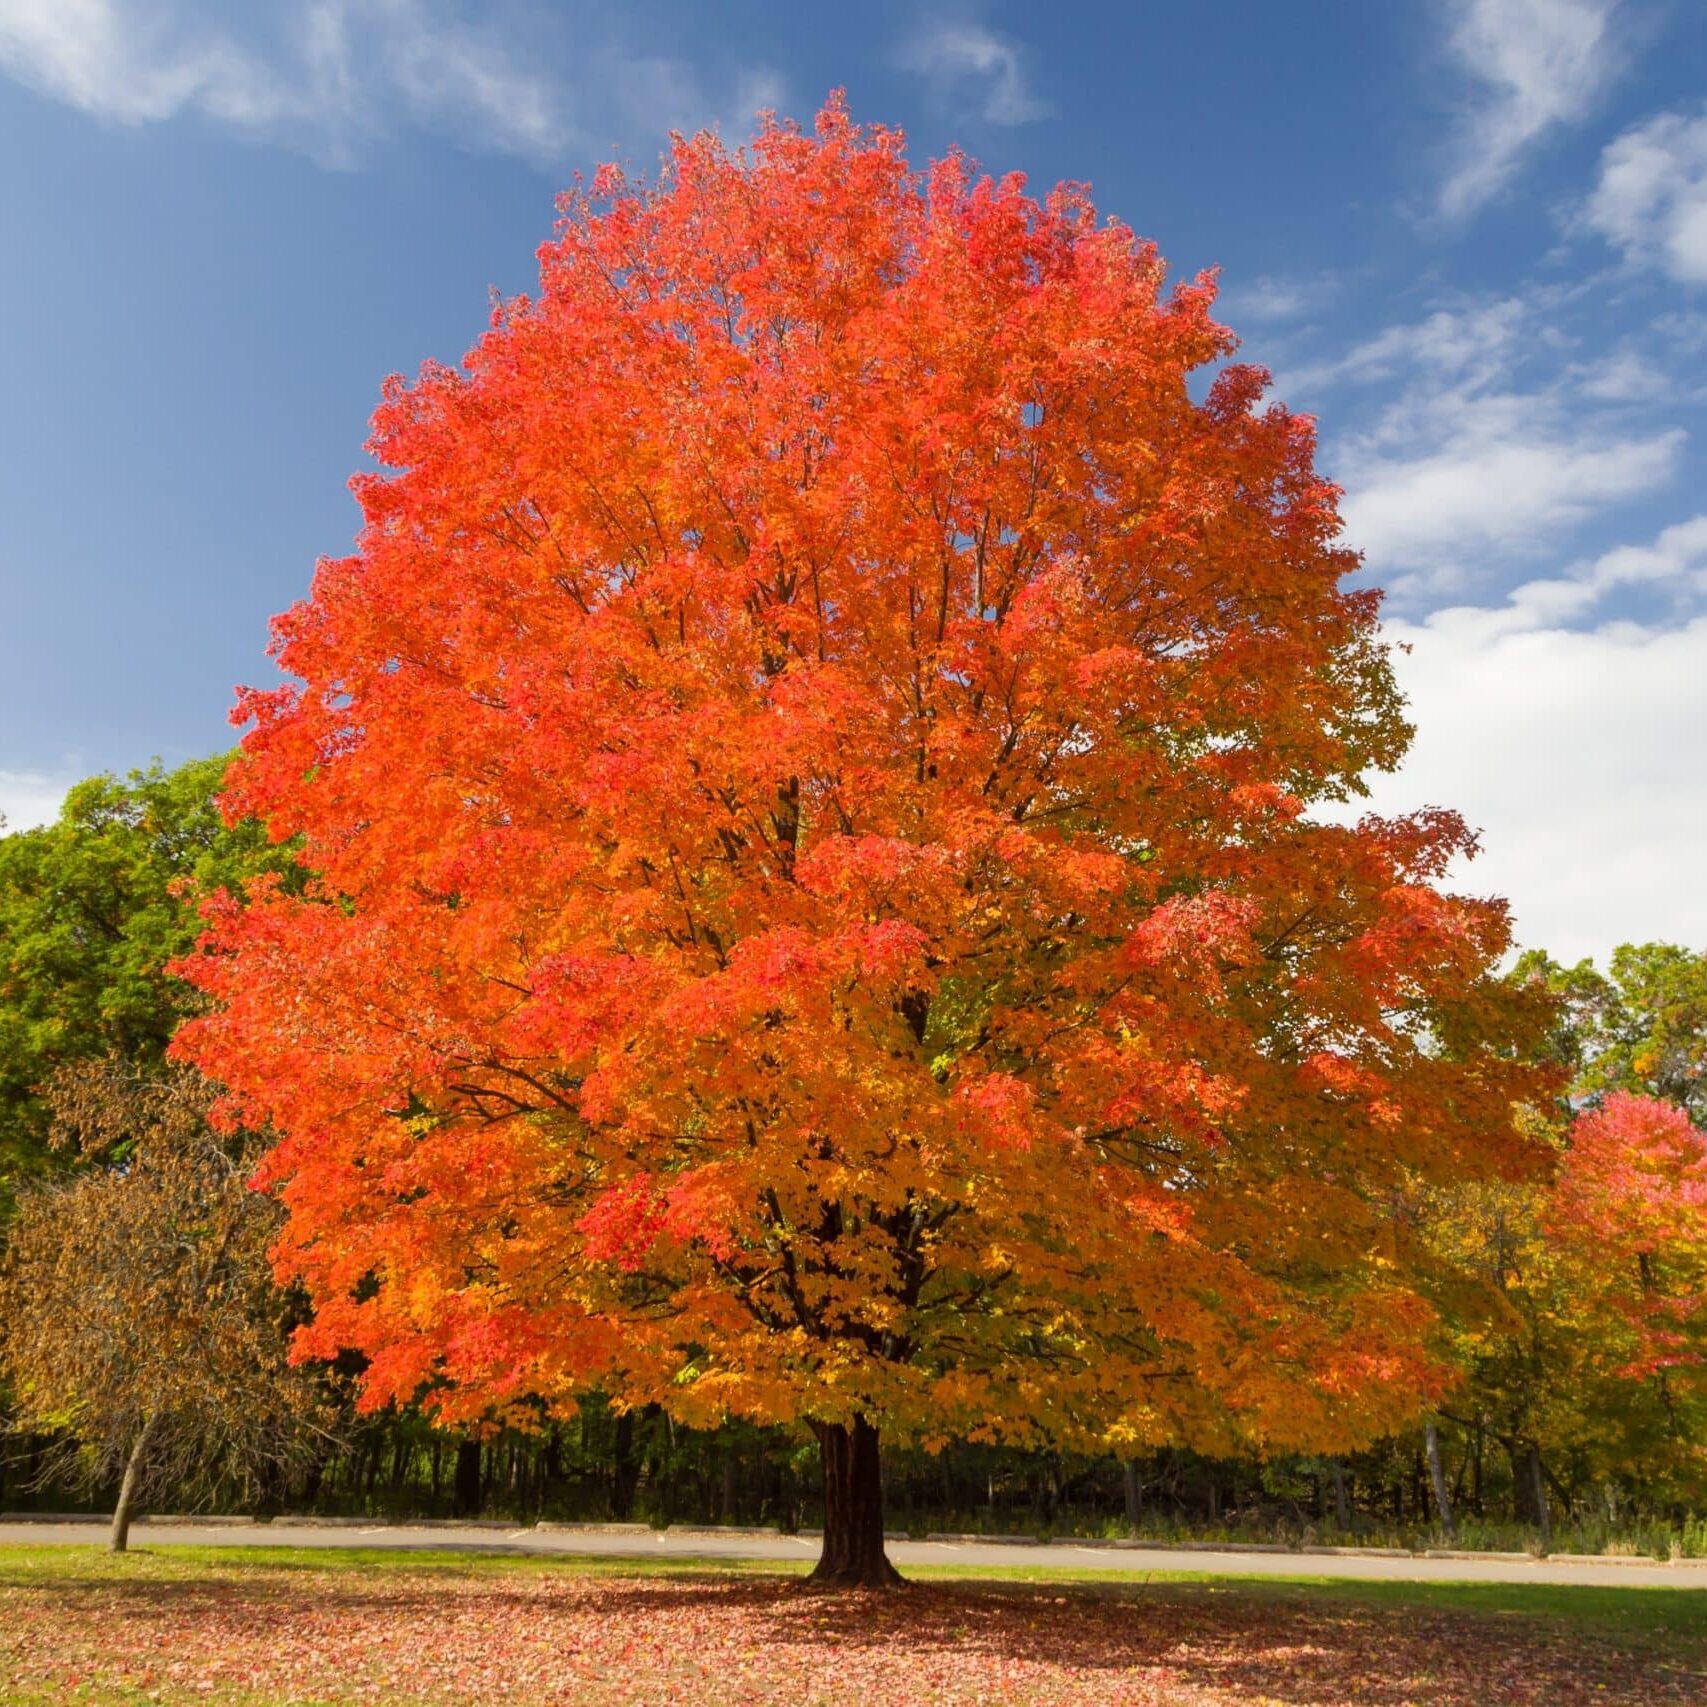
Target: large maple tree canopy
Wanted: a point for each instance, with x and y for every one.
(819, 910)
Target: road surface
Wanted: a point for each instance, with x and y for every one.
(688, 1544)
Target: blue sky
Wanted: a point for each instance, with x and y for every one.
(1469, 235)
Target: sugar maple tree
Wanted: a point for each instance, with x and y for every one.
(1629, 1220)
(816, 916)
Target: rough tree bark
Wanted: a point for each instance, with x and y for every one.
(1437, 1475)
(1538, 1487)
(853, 1555)
(1342, 1504)
(122, 1512)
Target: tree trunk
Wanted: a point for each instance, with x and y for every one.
(1342, 1505)
(726, 1505)
(853, 1555)
(1129, 1487)
(465, 1485)
(120, 1539)
(1437, 1475)
(1539, 1488)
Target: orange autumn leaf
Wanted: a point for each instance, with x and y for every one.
(821, 906)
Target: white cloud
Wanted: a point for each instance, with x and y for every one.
(1539, 64)
(1484, 429)
(1622, 375)
(1651, 198)
(1265, 300)
(1675, 566)
(326, 74)
(1274, 299)
(105, 58)
(27, 798)
(1460, 474)
(1575, 751)
(1470, 345)
(468, 82)
(966, 55)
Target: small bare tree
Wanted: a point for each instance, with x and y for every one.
(139, 1323)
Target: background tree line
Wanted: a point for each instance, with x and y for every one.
(145, 1345)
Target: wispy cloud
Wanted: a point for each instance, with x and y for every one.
(1276, 300)
(1467, 344)
(1485, 435)
(1673, 569)
(449, 75)
(971, 63)
(1493, 476)
(330, 75)
(1535, 64)
(122, 63)
(1651, 197)
(1623, 375)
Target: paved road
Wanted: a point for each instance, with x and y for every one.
(687, 1545)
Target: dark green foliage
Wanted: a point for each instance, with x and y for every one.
(92, 907)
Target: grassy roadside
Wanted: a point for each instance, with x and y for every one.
(1628, 1610)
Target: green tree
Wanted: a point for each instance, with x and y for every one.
(92, 907)
(1641, 1027)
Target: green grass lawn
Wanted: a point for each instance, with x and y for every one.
(250, 1627)
(1678, 1611)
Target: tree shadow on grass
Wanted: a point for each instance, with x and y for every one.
(1246, 1644)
